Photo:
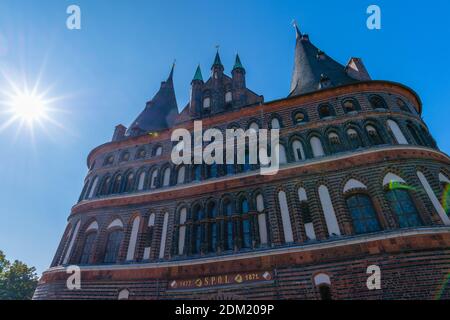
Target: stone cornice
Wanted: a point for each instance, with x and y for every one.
(326, 164)
(271, 106)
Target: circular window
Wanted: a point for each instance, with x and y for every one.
(299, 117)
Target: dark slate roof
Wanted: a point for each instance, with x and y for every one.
(310, 69)
(159, 113)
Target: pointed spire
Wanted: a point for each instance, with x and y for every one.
(237, 63)
(298, 34)
(310, 64)
(198, 74)
(170, 78)
(217, 61)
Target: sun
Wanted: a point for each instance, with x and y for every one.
(28, 107)
(22, 107)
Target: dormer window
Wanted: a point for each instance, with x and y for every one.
(325, 111)
(228, 97)
(320, 55)
(325, 82)
(207, 103)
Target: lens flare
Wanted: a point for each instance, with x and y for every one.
(446, 199)
(394, 185)
(28, 107)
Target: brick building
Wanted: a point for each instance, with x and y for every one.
(361, 183)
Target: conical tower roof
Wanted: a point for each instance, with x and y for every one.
(198, 74)
(159, 112)
(312, 66)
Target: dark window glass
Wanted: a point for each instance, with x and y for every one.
(325, 292)
(197, 173)
(306, 213)
(212, 171)
(377, 102)
(350, 105)
(247, 166)
(87, 249)
(415, 135)
(213, 236)
(105, 186)
(229, 244)
(403, 207)
(374, 135)
(402, 105)
(198, 238)
(228, 210)
(117, 184)
(325, 110)
(212, 211)
(246, 234)
(230, 169)
(129, 183)
(113, 246)
(363, 214)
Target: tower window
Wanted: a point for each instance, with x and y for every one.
(297, 149)
(334, 138)
(113, 246)
(350, 105)
(109, 160)
(125, 156)
(141, 154)
(275, 123)
(325, 292)
(325, 110)
(207, 103)
(87, 249)
(354, 139)
(158, 151)
(377, 102)
(300, 117)
(404, 208)
(228, 97)
(402, 105)
(363, 214)
(374, 136)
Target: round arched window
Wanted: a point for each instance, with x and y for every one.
(299, 117)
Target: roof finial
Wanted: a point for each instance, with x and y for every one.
(298, 34)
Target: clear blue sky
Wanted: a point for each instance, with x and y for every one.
(106, 71)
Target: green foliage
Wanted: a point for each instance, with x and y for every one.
(17, 280)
